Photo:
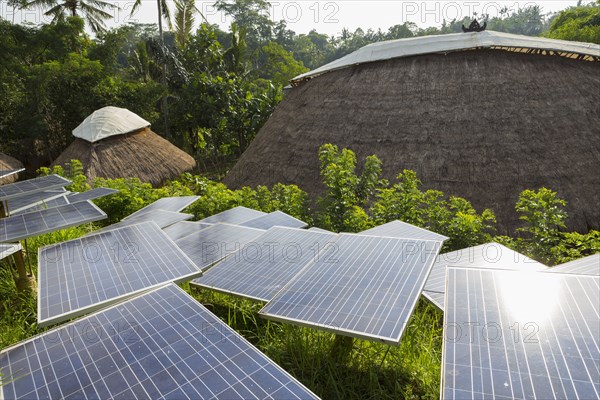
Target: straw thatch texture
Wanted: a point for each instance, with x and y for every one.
(482, 124)
(143, 154)
(8, 163)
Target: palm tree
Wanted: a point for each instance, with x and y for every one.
(92, 11)
(184, 20)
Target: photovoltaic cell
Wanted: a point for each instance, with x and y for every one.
(405, 230)
(363, 286)
(81, 275)
(589, 265)
(521, 335)
(184, 228)
(91, 194)
(159, 345)
(8, 249)
(262, 267)
(22, 188)
(35, 223)
(489, 255)
(8, 172)
(235, 216)
(212, 244)
(276, 218)
(162, 218)
(174, 204)
(28, 202)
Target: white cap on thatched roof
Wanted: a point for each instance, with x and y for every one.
(109, 121)
(455, 42)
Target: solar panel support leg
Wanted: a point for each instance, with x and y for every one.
(341, 349)
(24, 280)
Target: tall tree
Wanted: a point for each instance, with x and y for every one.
(92, 11)
(185, 16)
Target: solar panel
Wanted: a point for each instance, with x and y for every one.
(521, 335)
(59, 201)
(42, 183)
(174, 204)
(401, 229)
(8, 249)
(276, 218)
(36, 223)
(8, 172)
(184, 228)
(29, 201)
(314, 228)
(363, 286)
(589, 265)
(91, 194)
(262, 267)
(489, 255)
(162, 344)
(236, 216)
(162, 218)
(211, 244)
(84, 274)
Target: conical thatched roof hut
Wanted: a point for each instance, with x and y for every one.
(479, 115)
(8, 163)
(116, 143)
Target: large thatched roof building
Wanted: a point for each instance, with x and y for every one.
(479, 115)
(8, 165)
(116, 143)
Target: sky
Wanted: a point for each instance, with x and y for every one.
(328, 17)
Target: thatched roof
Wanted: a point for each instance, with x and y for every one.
(484, 124)
(142, 154)
(8, 163)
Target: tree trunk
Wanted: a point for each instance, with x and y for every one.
(165, 106)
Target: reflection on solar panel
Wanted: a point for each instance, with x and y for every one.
(401, 229)
(236, 215)
(162, 218)
(184, 228)
(589, 265)
(8, 172)
(22, 188)
(276, 218)
(174, 204)
(489, 255)
(211, 244)
(29, 201)
(90, 194)
(59, 201)
(521, 335)
(81, 275)
(7, 249)
(314, 228)
(35, 223)
(262, 267)
(162, 344)
(363, 286)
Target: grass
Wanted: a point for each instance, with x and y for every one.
(368, 371)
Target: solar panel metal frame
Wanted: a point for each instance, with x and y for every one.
(160, 344)
(8, 172)
(317, 229)
(327, 325)
(8, 249)
(190, 244)
(174, 204)
(478, 336)
(476, 257)
(75, 312)
(589, 265)
(23, 204)
(91, 194)
(43, 215)
(235, 264)
(162, 218)
(275, 218)
(401, 229)
(22, 188)
(233, 216)
(184, 228)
